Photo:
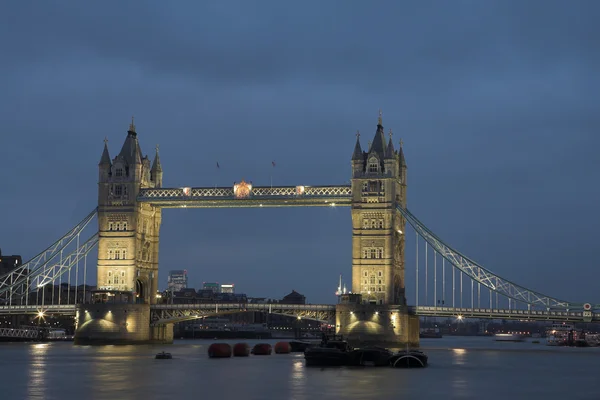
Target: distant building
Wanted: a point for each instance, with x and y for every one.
(8, 263)
(178, 280)
(211, 286)
(294, 298)
(227, 288)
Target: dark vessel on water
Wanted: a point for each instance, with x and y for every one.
(370, 356)
(409, 359)
(163, 356)
(332, 351)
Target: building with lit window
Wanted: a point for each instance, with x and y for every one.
(214, 287)
(178, 280)
(8, 263)
(227, 288)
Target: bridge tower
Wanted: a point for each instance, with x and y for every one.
(376, 310)
(128, 230)
(378, 186)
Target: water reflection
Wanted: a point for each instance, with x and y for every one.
(459, 356)
(36, 386)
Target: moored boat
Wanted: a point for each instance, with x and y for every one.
(508, 337)
(333, 351)
(370, 356)
(163, 356)
(409, 359)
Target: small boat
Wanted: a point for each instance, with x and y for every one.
(332, 351)
(409, 359)
(163, 356)
(508, 337)
(370, 356)
(430, 334)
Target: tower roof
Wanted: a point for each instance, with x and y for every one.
(131, 152)
(105, 159)
(389, 152)
(402, 160)
(378, 144)
(358, 153)
(156, 167)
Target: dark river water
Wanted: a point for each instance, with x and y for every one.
(460, 368)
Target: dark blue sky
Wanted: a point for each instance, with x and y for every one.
(497, 104)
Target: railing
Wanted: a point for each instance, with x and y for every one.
(561, 315)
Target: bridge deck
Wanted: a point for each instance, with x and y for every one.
(260, 196)
(316, 310)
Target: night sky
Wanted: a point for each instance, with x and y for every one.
(497, 104)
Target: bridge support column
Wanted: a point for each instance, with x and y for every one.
(369, 324)
(117, 323)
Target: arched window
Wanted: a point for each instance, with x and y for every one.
(124, 254)
(373, 165)
(373, 224)
(379, 253)
(117, 254)
(110, 255)
(125, 225)
(116, 279)
(379, 273)
(380, 224)
(366, 273)
(372, 280)
(110, 226)
(119, 172)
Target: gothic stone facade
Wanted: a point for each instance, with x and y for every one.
(378, 186)
(128, 230)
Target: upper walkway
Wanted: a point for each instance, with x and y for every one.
(170, 313)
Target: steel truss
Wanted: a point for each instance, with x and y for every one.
(492, 313)
(24, 333)
(52, 272)
(31, 268)
(172, 313)
(260, 196)
(487, 278)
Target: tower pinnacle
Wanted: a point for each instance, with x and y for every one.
(380, 119)
(132, 125)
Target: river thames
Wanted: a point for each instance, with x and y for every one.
(460, 368)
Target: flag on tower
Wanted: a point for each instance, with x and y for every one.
(273, 163)
(218, 165)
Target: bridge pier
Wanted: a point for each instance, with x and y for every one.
(118, 323)
(370, 324)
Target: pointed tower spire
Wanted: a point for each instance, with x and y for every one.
(389, 152)
(105, 159)
(132, 127)
(358, 153)
(402, 160)
(378, 145)
(156, 164)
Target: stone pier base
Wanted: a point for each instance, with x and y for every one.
(385, 325)
(118, 323)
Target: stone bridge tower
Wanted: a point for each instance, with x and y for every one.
(378, 186)
(128, 230)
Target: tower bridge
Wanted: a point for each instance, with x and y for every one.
(131, 197)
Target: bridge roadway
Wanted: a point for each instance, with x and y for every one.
(169, 313)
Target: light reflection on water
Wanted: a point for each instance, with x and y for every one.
(459, 368)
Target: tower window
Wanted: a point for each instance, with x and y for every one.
(110, 256)
(118, 190)
(125, 225)
(380, 273)
(366, 273)
(373, 165)
(119, 172)
(110, 226)
(117, 254)
(380, 224)
(365, 223)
